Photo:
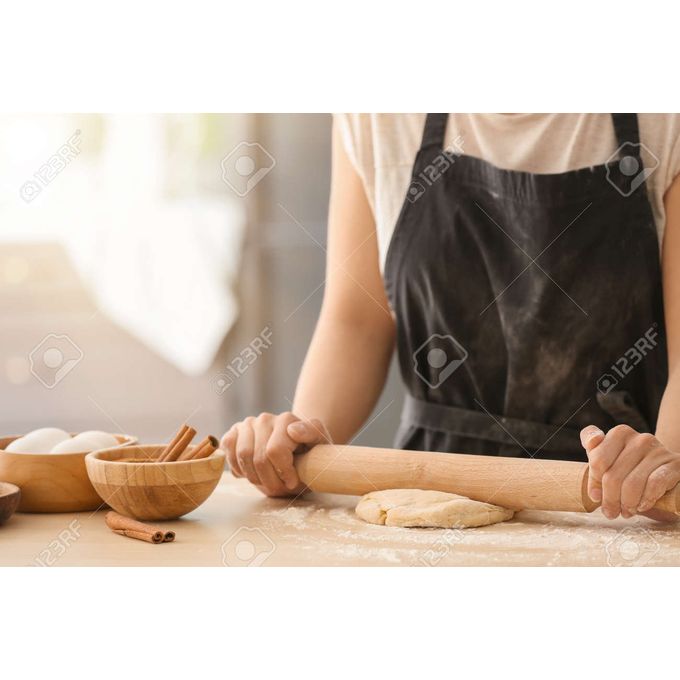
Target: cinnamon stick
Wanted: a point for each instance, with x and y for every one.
(190, 454)
(178, 445)
(173, 442)
(206, 448)
(140, 535)
(125, 526)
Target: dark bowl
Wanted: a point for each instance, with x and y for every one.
(10, 495)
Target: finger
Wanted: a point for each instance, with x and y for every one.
(659, 481)
(245, 445)
(308, 432)
(633, 486)
(610, 469)
(279, 493)
(591, 437)
(271, 483)
(228, 445)
(634, 452)
(279, 451)
(268, 477)
(602, 457)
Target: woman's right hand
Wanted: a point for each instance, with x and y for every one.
(262, 449)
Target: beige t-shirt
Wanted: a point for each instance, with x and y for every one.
(382, 148)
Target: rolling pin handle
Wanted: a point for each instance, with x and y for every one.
(670, 501)
(588, 503)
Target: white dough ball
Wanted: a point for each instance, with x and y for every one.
(85, 442)
(104, 439)
(73, 445)
(39, 441)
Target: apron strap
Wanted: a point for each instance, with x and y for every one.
(493, 428)
(627, 132)
(435, 130)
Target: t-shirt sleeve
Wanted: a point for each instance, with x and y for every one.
(356, 133)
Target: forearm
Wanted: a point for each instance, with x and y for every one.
(347, 362)
(668, 423)
(344, 372)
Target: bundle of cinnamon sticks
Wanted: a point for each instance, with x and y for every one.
(178, 448)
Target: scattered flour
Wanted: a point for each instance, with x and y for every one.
(294, 516)
(553, 538)
(357, 552)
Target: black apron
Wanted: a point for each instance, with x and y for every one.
(527, 305)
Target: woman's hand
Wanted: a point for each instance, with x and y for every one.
(629, 471)
(262, 448)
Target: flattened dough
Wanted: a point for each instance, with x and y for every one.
(418, 508)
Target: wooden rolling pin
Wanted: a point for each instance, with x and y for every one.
(516, 483)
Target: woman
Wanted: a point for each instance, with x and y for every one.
(530, 285)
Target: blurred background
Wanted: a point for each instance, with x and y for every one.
(157, 269)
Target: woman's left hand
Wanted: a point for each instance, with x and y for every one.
(629, 471)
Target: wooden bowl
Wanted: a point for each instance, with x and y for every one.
(9, 500)
(133, 485)
(51, 482)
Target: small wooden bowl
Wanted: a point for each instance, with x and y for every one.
(9, 500)
(51, 482)
(134, 485)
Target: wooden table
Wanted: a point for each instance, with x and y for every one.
(239, 527)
